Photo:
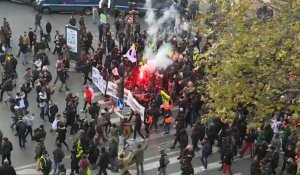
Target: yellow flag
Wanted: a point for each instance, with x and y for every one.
(170, 53)
(165, 97)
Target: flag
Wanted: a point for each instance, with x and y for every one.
(165, 97)
(131, 54)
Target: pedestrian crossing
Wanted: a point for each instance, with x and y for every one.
(151, 164)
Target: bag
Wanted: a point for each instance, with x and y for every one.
(38, 165)
(166, 160)
(11, 146)
(120, 164)
(54, 125)
(48, 163)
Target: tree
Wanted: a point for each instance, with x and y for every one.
(253, 62)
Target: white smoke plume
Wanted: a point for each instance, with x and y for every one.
(158, 60)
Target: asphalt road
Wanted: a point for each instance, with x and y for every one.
(21, 18)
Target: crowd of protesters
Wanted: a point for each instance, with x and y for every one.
(159, 93)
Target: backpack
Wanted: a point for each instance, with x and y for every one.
(166, 160)
(48, 164)
(120, 164)
(184, 139)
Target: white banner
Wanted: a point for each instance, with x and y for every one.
(98, 80)
(112, 91)
(72, 40)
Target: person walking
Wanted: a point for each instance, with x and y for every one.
(38, 18)
(206, 151)
(183, 140)
(163, 162)
(53, 110)
(88, 96)
(84, 167)
(42, 103)
(289, 153)
(44, 163)
(227, 163)
(81, 21)
(139, 157)
(29, 120)
(113, 155)
(48, 30)
(58, 156)
(272, 158)
(196, 133)
(21, 128)
(7, 148)
(95, 15)
(1, 140)
(62, 74)
(87, 68)
(23, 53)
(103, 161)
(167, 123)
(137, 127)
(249, 138)
(61, 134)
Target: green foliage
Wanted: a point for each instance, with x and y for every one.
(251, 60)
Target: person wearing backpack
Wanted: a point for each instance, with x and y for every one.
(44, 163)
(84, 168)
(163, 162)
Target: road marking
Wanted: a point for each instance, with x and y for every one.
(173, 160)
(33, 164)
(211, 166)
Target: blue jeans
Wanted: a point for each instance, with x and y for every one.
(162, 171)
(56, 164)
(42, 114)
(24, 58)
(113, 162)
(204, 160)
(167, 128)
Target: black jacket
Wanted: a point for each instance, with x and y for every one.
(48, 27)
(7, 170)
(58, 155)
(104, 160)
(7, 148)
(53, 109)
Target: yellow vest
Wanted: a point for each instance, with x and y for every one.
(79, 150)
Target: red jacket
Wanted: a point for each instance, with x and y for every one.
(88, 95)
